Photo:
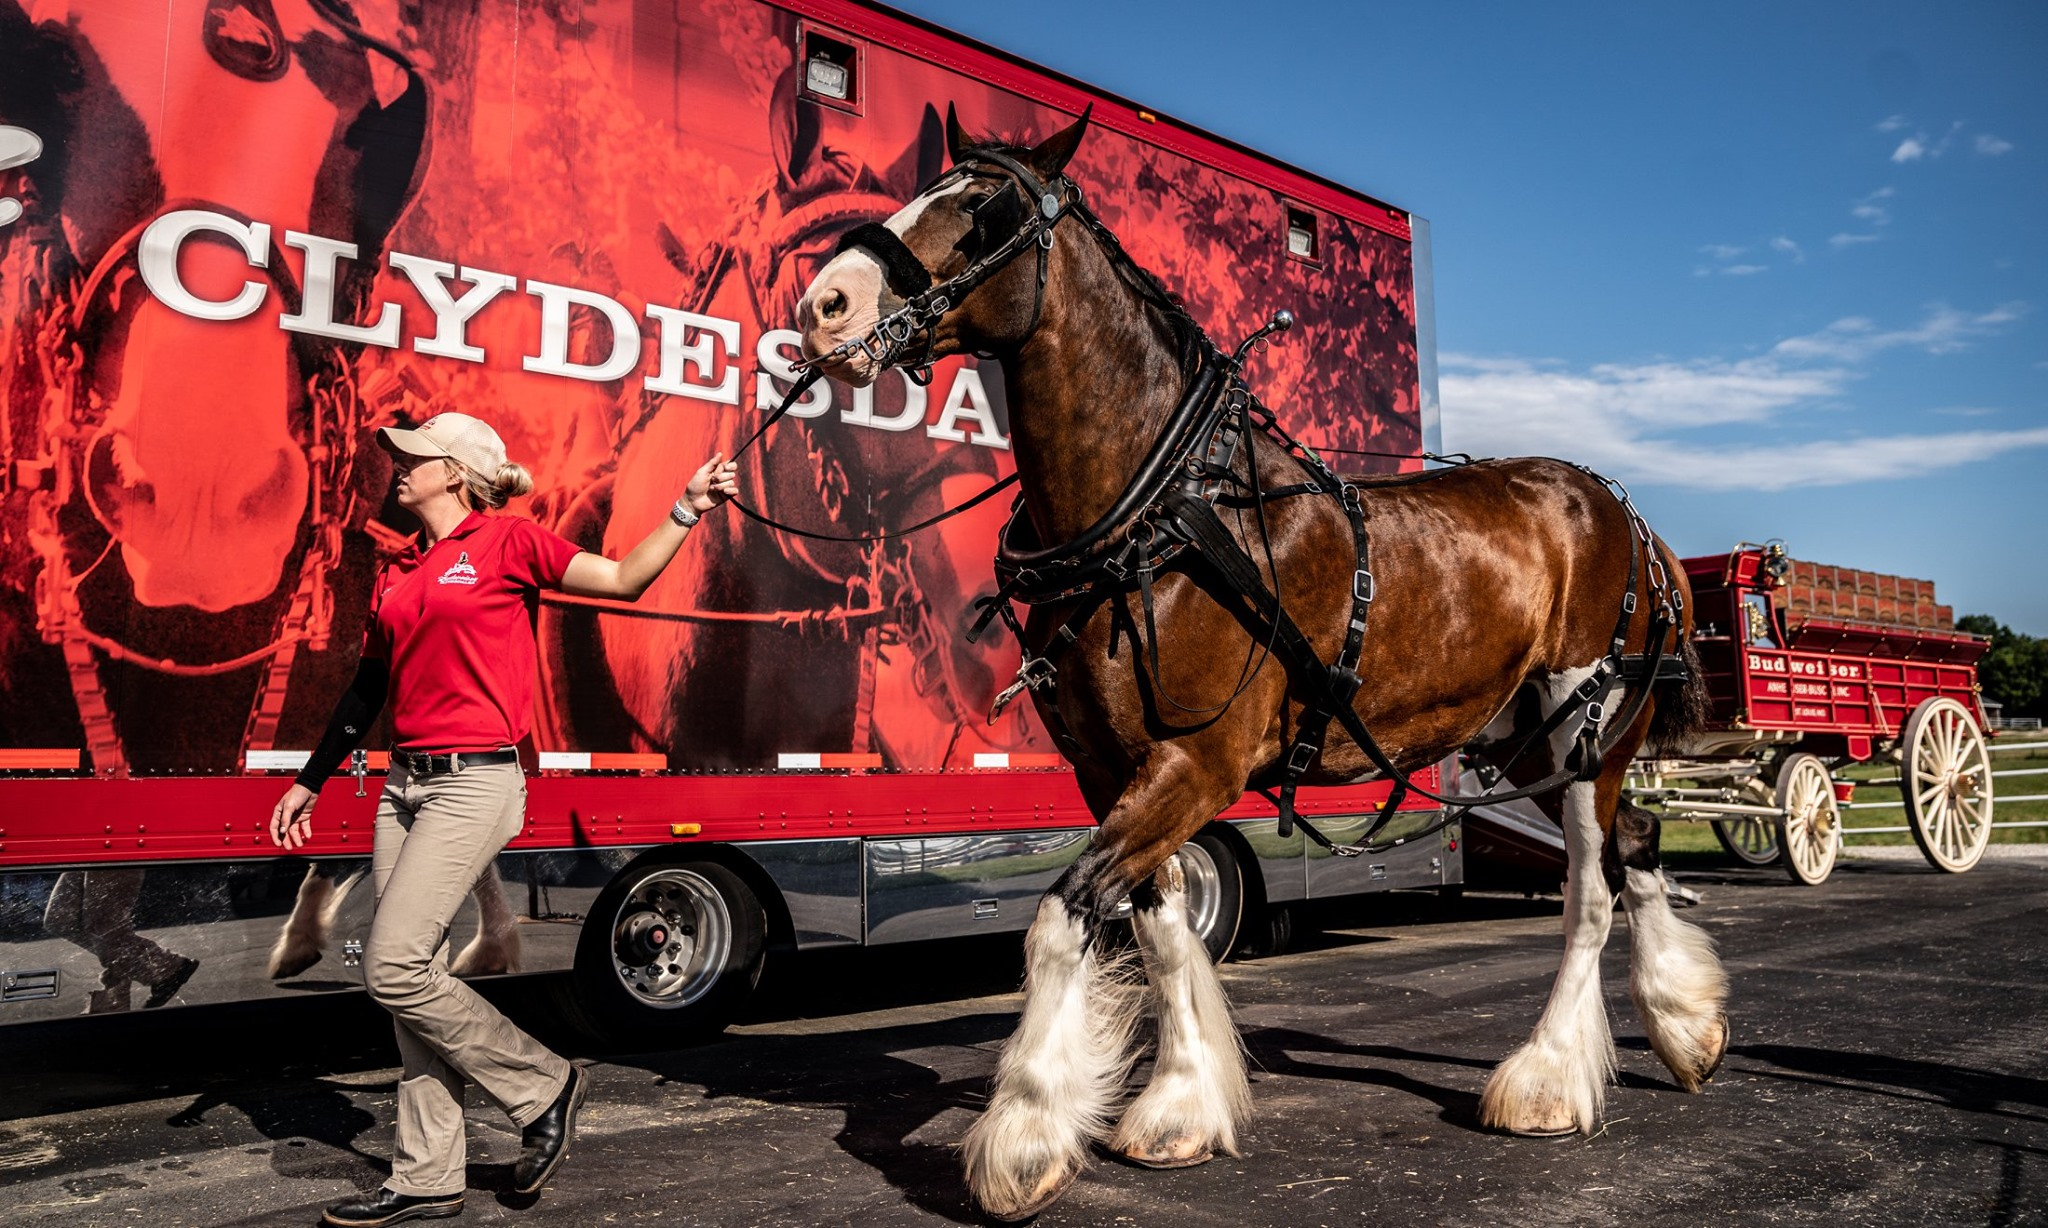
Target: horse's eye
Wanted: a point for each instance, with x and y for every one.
(997, 213)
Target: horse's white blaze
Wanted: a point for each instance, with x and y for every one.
(1062, 1071)
(1676, 981)
(1558, 1080)
(1199, 1094)
(907, 216)
(857, 275)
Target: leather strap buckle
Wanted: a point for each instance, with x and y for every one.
(1298, 759)
(1362, 586)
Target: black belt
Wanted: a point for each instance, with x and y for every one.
(426, 763)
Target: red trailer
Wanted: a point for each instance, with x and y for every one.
(1810, 666)
(237, 237)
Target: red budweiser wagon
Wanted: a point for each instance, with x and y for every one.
(1811, 668)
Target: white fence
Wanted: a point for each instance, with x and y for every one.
(2003, 745)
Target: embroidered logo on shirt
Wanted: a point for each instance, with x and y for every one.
(459, 572)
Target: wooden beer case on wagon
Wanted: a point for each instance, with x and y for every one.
(238, 236)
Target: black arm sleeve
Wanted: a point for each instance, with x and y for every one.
(358, 707)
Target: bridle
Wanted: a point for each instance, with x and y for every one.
(889, 342)
(1169, 507)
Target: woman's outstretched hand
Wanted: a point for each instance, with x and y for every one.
(715, 481)
(291, 820)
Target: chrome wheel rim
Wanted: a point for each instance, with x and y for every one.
(697, 943)
(1205, 888)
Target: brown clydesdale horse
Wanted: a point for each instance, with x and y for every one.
(1499, 585)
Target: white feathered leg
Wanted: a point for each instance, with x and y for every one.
(1677, 982)
(1061, 1074)
(495, 949)
(305, 930)
(1557, 1081)
(1198, 1095)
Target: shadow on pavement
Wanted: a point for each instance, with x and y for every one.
(1959, 1087)
(885, 1099)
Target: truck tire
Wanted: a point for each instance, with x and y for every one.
(669, 953)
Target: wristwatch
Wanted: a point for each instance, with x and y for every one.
(682, 514)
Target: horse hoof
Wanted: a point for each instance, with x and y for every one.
(1720, 1054)
(1049, 1191)
(480, 959)
(285, 967)
(1548, 1132)
(1184, 1152)
(1171, 1161)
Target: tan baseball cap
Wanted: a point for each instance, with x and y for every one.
(470, 441)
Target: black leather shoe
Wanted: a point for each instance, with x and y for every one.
(543, 1144)
(163, 991)
(387, 1206)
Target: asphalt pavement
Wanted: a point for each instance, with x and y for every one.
(1887, 1068)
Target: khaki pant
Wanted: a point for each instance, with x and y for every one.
(435, 834)
(96, 910)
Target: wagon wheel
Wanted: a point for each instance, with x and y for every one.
(1751, 841)
(1810, 825)
(1945, 783)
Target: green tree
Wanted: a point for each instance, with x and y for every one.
(2015, 669)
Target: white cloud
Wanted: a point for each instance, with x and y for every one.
(1992, 146)
(1912, 149)
(1849, 240)
(1745, 270)
(1891, 123)
(1786, 246)
(1854, 339)
(1645, 421)
(1722, 251)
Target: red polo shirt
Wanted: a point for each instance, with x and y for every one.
(456, 623)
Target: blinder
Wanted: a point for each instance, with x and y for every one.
(906, 274)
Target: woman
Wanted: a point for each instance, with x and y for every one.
(450, 643)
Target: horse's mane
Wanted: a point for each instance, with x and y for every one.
(1189, 339)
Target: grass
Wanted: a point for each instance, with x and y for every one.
(1692, 841)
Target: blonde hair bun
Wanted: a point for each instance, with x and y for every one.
(512, 480)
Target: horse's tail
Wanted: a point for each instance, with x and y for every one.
(1681, 709)
(1682, 706)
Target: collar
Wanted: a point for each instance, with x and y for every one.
(470, 524)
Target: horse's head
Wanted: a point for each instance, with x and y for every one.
(200, 454)
(957, 270)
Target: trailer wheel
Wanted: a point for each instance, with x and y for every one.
(1810, 822)
(1215, 892)
(1945, 784)
(669, 953)
(1751, 841)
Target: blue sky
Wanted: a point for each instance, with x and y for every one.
(1783, 268)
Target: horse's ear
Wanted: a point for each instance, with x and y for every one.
(1051, 155)
(931, 148)
(921, 160)
(792, 130)
(956, 140)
